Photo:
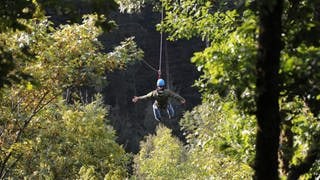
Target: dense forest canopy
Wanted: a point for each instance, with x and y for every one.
(259, 116)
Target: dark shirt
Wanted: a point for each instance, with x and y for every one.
(162, 96)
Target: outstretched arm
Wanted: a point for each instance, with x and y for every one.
(137, 98)
(177, 97)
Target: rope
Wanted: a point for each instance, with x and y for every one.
(160, 55)
(166, 55)
(167, 63)
(146, 63)
(161, 42)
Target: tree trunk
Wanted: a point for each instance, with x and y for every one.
(267, 143)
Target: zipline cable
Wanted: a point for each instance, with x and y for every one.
(167, 63)
(161, 42)
(166, 53)
(160, 54)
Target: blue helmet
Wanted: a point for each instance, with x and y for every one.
(160, 83)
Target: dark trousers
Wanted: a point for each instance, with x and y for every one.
(157, 111)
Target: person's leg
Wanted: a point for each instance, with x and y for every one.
(170, 111)
(156, 112)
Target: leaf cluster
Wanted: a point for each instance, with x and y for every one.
(69, 138)
(161, 156)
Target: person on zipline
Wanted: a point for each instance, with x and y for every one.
(162, 100)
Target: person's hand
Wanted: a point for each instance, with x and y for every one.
(135, 99)
(183, 101)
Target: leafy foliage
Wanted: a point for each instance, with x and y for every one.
(71, 139)
(228, 62)
(11, 11)
(130, 6)
(62, 57)
(13, 14)
(228, 65)
(75, 53)
(220, 139)
(300, 135)
(213, 150)
(10, 72)
(161, 156)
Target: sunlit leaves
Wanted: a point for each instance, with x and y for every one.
(131, 6)
(228, 66)
(218, 126)
(126, 52)
(59, 57)
(161, 156)
(220, 146)
(305, 129)
(185, 19)
(11, 11)
(71, 138)
(72, 54)
(300, 69)
(229, 62)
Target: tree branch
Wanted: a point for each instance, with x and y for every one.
(3, 174)
(38, 107)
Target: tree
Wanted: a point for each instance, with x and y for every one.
(213, 150)
(63, 56)
(69, 140)
(161, 156)
(12, 14)
(299, 71)
(267, 89)
(230, 65)
(220, 140)
(39, 61)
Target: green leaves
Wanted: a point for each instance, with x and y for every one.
(186, 19)
(60, 138)
(11, 11)
(217, 126)
(131, 6)
(71, 55)
(223, 125)
(161, 156)
(229, 64)
(71, 138)
(220, 145)
(300, 132)
(126, 52)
